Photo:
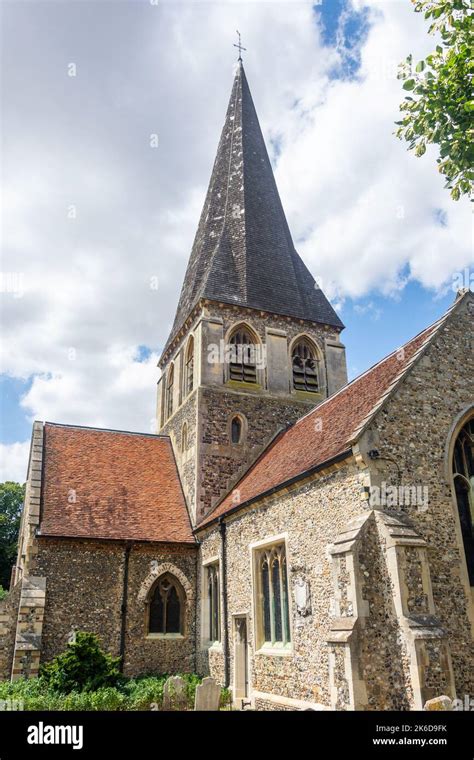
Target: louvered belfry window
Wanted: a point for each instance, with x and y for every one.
(242, 357)
(305, 368)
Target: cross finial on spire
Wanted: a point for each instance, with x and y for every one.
(239, 45)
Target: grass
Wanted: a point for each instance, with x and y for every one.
(143, 693)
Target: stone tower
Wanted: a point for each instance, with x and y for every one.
(255, 343)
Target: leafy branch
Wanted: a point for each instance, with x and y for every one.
(440, 106)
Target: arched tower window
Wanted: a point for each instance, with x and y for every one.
(243, 366)
(305, 367)
(189, 367)
(169, 391)
(184, 437)
(236, 429)
(166, 608)
(463, 474)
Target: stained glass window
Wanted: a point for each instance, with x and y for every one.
(272, 599)
(213, 594)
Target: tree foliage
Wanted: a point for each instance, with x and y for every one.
(84, 666)
(440, 106)
(12, 496)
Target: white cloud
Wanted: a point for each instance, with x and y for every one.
(362, 208)
(14, 461)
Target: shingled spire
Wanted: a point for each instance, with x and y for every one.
(243, 253)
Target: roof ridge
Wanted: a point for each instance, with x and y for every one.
(377, 387)
(104, 430)
(370, 369)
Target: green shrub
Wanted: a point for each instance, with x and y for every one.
(144, 692)
(226, 699)
(84, 666)
(3, 593)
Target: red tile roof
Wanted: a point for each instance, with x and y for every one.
(325, 432)
(111, 484)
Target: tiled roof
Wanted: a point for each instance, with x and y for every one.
(111, 484)
(325, 432)
(243, 252)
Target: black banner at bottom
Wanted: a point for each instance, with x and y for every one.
(378, 734)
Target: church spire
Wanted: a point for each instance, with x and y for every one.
(243, 253)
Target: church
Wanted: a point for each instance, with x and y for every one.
(305, 540)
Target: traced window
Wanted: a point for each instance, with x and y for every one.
(305, 367)
(213, 605)
(242, 365)
(236, 429)
(463, 473)
(169, 391)
(184, 437)
(272, 608)
(189, 367)
(166, 614)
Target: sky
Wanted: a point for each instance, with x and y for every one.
(111, 115)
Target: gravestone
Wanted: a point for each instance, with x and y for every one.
(174, 694)
(208, 695)
(439, 703)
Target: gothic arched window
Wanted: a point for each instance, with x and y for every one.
(189, 367)
(166, 609)
(243, 365)
(272, 607)
(213, 594)
(169, 391)
(305, 367)
(463, 474)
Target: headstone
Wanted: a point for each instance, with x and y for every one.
(439, 703)
(208, 695)
(174, 694)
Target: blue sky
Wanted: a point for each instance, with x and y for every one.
(93, 214)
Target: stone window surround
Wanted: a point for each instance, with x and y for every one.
(255, 548)
(456, 427)
(183, 607)
(319, 362)
(144, 596)
(261, 373)
(243, 431)
(206, 643)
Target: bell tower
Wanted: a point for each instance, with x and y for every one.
(255, 343)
